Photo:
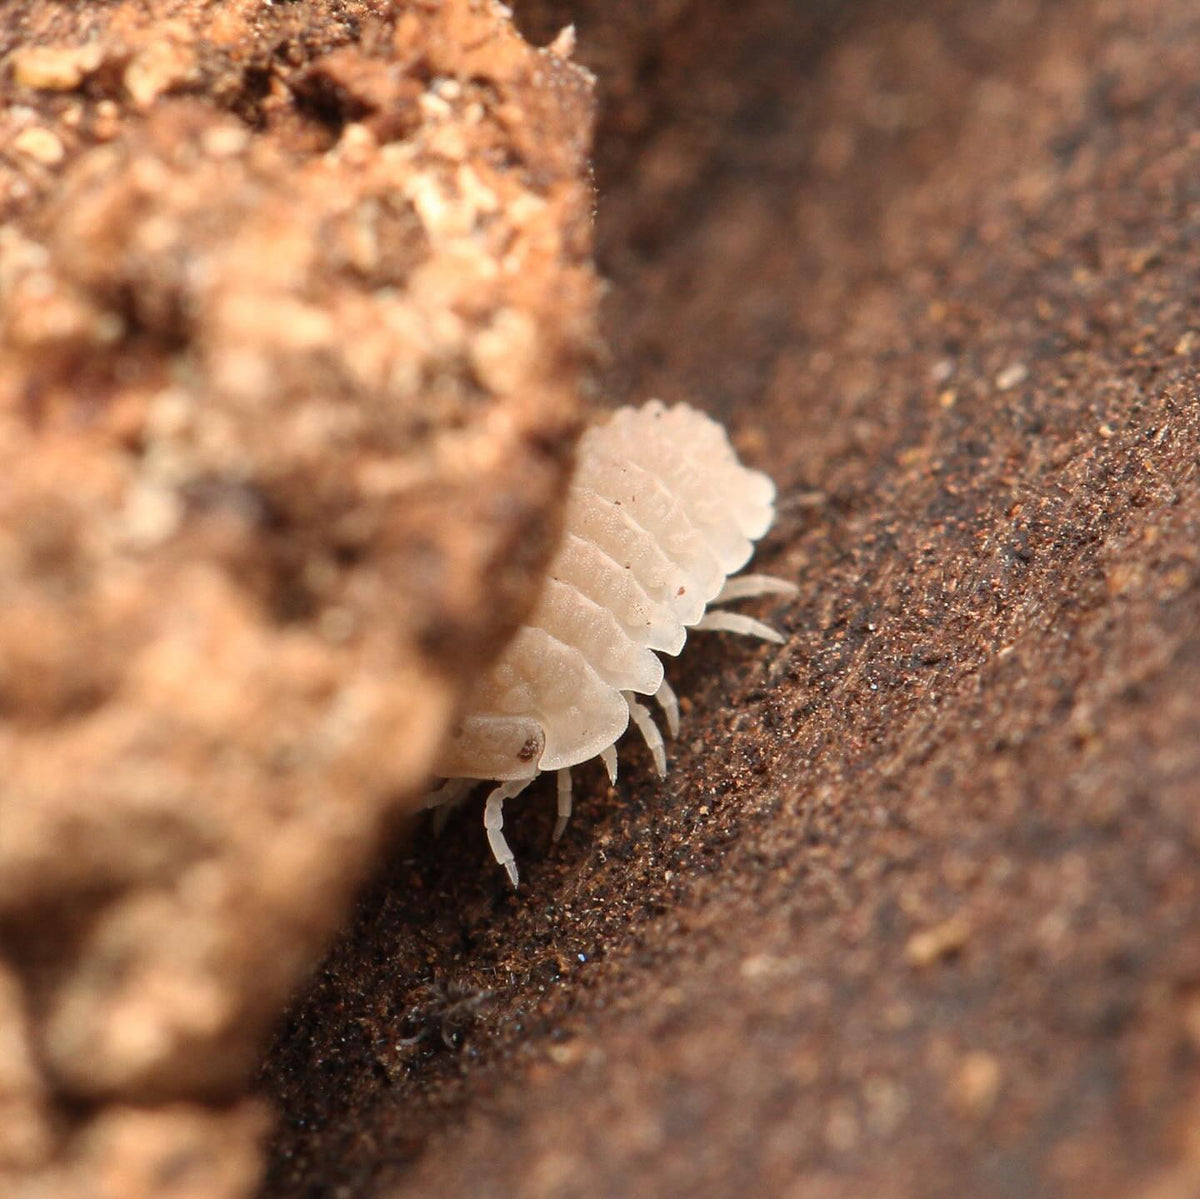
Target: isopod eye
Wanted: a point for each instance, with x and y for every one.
(529, 750)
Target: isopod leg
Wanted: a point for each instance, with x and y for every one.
(445, 799)
(608, 756)
(641, 717)
(564, 803)
(442, 814)
(493, 821)
(751, 586)
(670, 706)
(448, 794)
(735, 622)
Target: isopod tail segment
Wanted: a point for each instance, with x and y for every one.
(660, 518)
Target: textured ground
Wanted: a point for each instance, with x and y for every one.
(917, 912)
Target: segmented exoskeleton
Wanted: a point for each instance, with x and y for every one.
(660, 513)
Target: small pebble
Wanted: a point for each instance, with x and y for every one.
(934, 944)
(1012, 376)
(40, 144)
(975, 1084)
(54, 68)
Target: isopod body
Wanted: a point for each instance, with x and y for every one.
(660, 513)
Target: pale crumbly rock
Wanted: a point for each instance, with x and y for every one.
(288, 379)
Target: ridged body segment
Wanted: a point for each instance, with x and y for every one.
(594, 573)
(660, 512)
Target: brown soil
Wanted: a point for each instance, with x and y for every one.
(916, 911)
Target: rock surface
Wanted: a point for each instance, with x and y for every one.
(917, 912)
(294, 306)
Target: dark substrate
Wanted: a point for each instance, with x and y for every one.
(916, 911)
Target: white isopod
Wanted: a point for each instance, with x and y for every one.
(659, 514)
